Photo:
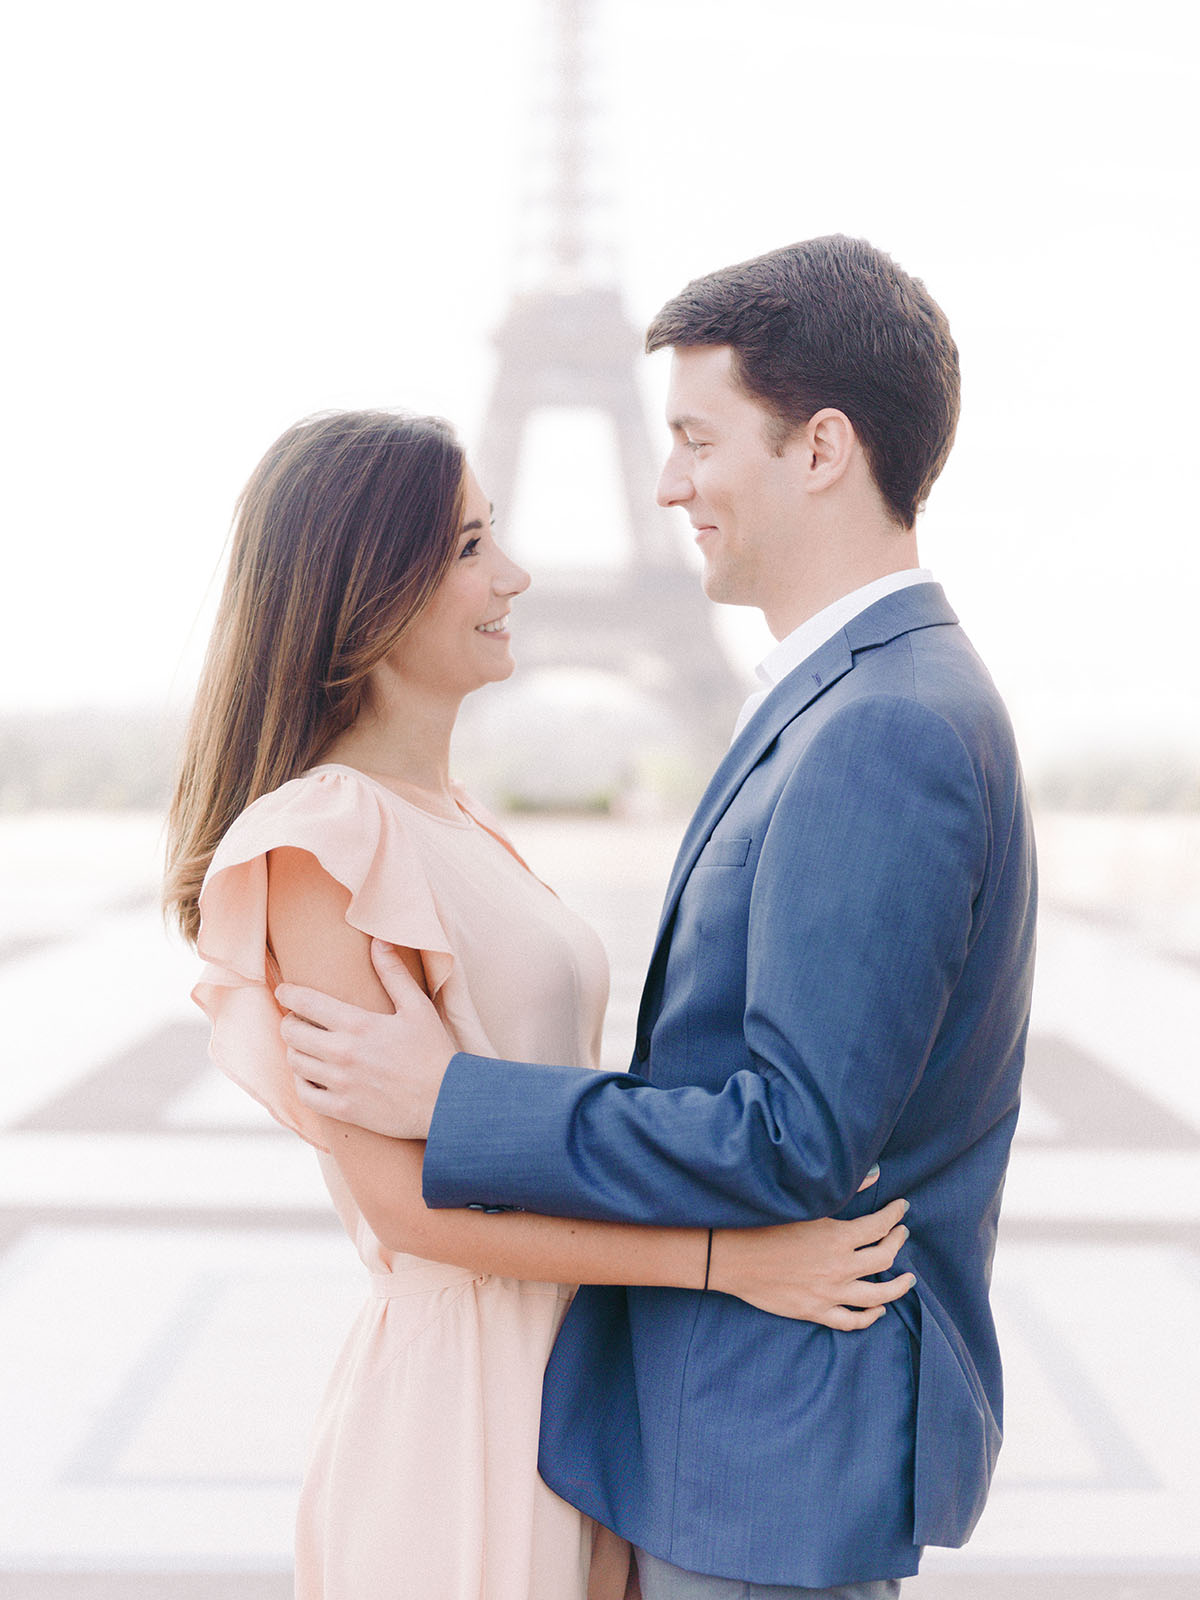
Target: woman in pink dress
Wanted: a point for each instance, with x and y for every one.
(366, 596)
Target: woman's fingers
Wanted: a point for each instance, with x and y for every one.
(857, 1304)
(864, 1304)
(896, 1288)
(877, 1294)
(820, 1271)
(860, 1305)
(875, 1258)
(847, 1320)
(874, 1226)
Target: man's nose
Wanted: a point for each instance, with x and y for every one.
(674, 485)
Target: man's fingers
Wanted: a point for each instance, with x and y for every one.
(318, 1008)
(308, 1069)
(298, 1033)
(394, 974)
(313, 1095)
(321, 1100)
(876, 1225)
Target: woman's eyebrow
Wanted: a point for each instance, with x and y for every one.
(477, 525)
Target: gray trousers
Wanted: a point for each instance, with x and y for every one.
(661, 1581)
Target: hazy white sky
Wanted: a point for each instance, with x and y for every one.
(223, 218)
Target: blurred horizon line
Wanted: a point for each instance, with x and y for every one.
(120, 758)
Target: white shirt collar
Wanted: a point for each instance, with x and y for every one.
(798, 645)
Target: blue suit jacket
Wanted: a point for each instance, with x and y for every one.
(842, 976)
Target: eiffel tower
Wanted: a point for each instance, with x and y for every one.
(567, 343)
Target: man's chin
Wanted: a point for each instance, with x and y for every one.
(720, 588)
(712, 582)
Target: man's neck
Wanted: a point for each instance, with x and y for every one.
(818, 589)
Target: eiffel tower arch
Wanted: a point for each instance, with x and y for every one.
(568, 344)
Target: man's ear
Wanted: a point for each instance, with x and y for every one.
(830, 442)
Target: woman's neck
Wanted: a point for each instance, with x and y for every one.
(405, 745)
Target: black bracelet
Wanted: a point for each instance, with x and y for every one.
(708, 1259)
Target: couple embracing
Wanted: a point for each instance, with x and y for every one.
(768, 1386)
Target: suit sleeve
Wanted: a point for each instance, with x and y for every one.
(860, 921)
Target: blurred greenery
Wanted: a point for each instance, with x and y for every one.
(125, 760)
(88, 760)
(1110, 781)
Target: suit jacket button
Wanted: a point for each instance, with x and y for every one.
(642, 1048)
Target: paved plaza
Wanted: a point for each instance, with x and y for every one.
(173, 1286)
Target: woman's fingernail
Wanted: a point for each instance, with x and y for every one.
(906, 1206)
(873, 1174)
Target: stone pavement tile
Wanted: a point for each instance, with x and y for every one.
(278, 1586)
(1053, 1585)
(73, 1005)
(162, 1384)
(163, 1379)
(145, 1586)
(1078, 1100)
(157, 1170)
(1101, 1462)
(1122, 1004)
(157, 1229)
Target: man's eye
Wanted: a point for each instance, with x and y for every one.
(469, 549)
(695, 444)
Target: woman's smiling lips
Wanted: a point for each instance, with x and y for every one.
(497, 625)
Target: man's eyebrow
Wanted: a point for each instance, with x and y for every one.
(683, 423)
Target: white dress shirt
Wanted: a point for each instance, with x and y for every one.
(798, 645)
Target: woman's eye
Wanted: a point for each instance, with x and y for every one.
(469, 549)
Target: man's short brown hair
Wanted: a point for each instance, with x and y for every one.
(834, 322)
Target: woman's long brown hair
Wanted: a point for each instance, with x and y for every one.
(341, 536)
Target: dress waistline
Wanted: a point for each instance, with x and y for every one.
(412, 1276)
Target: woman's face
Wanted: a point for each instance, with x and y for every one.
(461, 639)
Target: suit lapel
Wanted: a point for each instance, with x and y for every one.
(921, 605)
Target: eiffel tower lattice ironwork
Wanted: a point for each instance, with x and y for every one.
(569, 344)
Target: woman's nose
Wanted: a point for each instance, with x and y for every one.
(512, 579)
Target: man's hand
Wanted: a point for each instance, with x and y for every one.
(378, 1071)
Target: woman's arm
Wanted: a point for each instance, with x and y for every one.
(804, 1269)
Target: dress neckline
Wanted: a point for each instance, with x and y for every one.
(469, 819)
(465, 819)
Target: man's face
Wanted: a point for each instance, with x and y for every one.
(743, 499)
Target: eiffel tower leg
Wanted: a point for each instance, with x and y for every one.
(499, 451)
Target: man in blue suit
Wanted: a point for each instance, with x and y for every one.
(841, 977)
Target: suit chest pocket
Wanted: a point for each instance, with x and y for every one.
(706, 971)
(723, 853)
(715, 899)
